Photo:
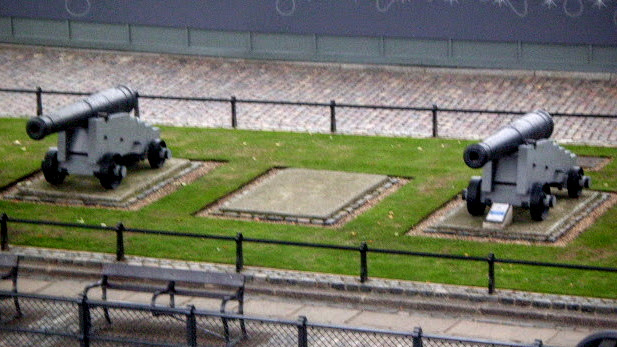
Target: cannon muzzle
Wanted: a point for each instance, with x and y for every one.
(113, 100)
(532, 126)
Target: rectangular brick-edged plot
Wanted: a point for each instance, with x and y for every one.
(305, 193)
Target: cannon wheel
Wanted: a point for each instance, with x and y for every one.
(475, 206)
(537, 202)
(157, 153)
(574, 186)
(51, 168)
(111, 172)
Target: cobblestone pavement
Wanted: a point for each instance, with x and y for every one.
(157, 74)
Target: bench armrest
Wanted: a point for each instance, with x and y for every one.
(90, 286)
(171, 290)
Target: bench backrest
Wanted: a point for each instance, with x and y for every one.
(9, 260)
(177, 275)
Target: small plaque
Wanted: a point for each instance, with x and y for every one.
(498, 217)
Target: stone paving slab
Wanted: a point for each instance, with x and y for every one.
(500, 332)
(305, 193)
(404, 321)
(83, 70)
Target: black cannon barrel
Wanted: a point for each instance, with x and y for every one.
(118, 99)
(532, 126)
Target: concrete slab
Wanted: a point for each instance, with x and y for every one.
(328, 315)
(67, 288)
(501, 332)
(270, 308)
(25, 285)
(304, 193)
(402, 321)
(568, 338)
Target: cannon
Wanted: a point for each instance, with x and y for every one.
(99, 137)
(520, 165)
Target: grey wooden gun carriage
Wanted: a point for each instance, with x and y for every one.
(98, 136)
(520, 165)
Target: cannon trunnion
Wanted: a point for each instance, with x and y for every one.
(98, 137)
(519, 167)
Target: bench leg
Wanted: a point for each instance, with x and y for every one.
(241, 312)
(105, 309)
(16, 299)
(17, 307)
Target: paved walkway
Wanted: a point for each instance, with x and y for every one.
(289, 294)
(81, 70)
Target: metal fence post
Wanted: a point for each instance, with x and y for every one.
(39, 101)
(302, 333)
(239, 253)
(491, 273)
(4, 232)
(417, 337)
(234, 118)
(434, 112)
(120, 242)
(332, 116)
(191, 327)
(363, 263)
(84, 321)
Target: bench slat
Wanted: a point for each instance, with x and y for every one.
(167, 274)
(8, 260)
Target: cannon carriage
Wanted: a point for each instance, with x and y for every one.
(98, 136)
(520, 165)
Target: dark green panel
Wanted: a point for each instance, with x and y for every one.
(41, 29)
(484, 50)
(5, 27)
(284, 43)
(218, 40)
(158, 36)
(568, 54)
(354, 46)
(605, 55)
(416, 48)
(94, 32)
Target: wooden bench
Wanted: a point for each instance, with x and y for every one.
(172, 282)
(9, 264)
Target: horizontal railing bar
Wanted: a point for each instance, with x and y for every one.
(556, 265)
(184, 98)
(359, 330)
(38, 331)
(173, 233)
(302, 244)
(313, 104)
(472, 340)
(140, 342)
(425, 254)
(318, 245)
(63, 299)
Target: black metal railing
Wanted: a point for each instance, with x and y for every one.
(233, 101)
(68, 321)
(362, 250)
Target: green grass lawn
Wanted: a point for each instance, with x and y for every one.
(435, 166)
